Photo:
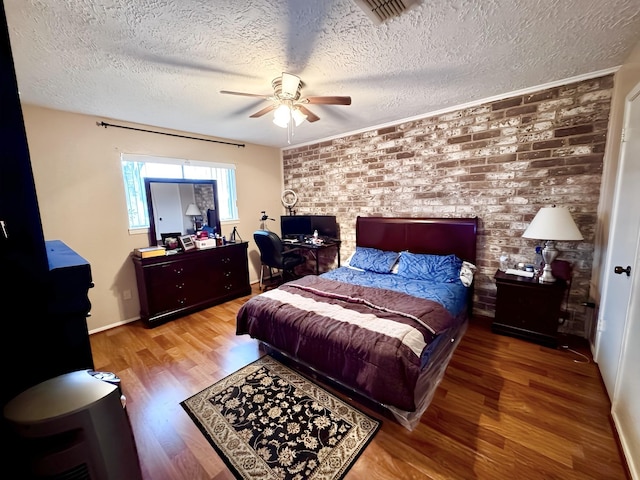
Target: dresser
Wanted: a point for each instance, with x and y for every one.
(528, 309)
(174, 285)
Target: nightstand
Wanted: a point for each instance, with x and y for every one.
(528, 309)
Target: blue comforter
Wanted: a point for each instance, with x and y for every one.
(453, 296)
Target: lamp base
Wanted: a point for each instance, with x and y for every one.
(549, 254)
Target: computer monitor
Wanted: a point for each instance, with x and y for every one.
(326, 226)
(295, 226)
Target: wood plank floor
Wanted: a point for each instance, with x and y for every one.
(505, 408)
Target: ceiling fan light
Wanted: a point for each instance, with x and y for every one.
(281, 116)
(298, 116)
(280, 122)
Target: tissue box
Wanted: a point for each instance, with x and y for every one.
(205, 243)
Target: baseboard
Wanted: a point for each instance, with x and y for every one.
(113, 325)
(630, 463)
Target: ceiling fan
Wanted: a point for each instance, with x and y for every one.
(287, 102)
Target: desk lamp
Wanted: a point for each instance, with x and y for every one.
(552, 224)
(193, 212)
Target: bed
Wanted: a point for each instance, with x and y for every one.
(385, 325)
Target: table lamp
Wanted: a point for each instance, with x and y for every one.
(552, 224)
(194, 212)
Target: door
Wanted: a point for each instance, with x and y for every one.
(617, 351)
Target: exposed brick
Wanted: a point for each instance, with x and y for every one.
(550, 162)
(486, 134)
(547, 144)
(538, 97)
(460, 139)
(394, 135)
(502, 158)
(503, 104)
(475, 145)
(534, 154)
(513, 112)
(482, 169)
(565, 132)
(384, 131)
(500, 161)
(586, 139)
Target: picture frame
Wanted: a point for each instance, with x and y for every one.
(187, 242)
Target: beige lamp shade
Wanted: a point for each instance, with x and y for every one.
(193, 210)
(553, 223)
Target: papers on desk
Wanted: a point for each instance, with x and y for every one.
(291, 240)
(520, 273)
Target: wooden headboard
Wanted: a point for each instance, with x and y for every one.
(440, 236)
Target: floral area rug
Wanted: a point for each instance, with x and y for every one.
(267, 421)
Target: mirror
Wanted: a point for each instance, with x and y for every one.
(169, 200)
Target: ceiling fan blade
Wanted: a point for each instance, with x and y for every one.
(264, 111)
(227, 92)
(311, 117)
(290, 84)
(327, 100)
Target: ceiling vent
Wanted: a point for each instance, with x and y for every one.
(381, 10)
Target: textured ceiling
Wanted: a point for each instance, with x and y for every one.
(163, 62)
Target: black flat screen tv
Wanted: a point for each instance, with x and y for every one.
(326, 226)
(300, 226)
(295, 226)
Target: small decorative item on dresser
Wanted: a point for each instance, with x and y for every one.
(504, 262)
(187, 242)
(149, 252)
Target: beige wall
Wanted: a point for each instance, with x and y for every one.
(76, 167)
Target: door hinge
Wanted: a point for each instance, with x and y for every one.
(623, 136)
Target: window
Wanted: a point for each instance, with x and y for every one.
(135, 168)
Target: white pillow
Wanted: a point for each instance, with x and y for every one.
(467, 272)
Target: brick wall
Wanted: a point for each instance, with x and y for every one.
(499, 161)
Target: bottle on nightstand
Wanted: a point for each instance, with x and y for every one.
(538, 261)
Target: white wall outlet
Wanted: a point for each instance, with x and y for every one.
(126, 294)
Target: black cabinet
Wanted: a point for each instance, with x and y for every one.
(175, 285)
(528, 309)
(67, 339)
(44, 335)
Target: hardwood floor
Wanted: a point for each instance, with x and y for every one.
(505, 408)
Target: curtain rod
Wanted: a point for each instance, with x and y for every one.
(105, 125)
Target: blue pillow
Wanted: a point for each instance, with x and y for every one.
(374, 260)
(424, 266)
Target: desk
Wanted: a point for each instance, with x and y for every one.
(315, 249)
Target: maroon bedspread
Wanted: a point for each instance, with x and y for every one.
(367, 338)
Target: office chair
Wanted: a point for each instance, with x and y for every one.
(273, 255)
